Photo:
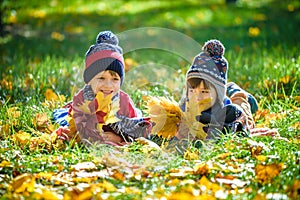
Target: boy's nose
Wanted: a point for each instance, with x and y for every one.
(200, 97)
(107, 83)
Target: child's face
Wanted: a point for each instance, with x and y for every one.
(200, 93)
(107, 82)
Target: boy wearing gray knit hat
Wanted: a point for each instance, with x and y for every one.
(207, 79)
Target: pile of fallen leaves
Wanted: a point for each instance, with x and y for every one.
(143, 170)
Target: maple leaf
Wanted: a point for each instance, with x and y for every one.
(166, 115)
(193, 109)
(84, 107)
(103, 102)
(113, 108)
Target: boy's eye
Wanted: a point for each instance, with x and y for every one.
(116, 79)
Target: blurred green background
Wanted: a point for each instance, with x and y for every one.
(261, 36)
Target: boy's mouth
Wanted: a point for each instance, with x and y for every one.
(107, 92)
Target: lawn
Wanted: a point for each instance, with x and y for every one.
(42, 60)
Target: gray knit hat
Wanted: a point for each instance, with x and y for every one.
(106, 54)
(210, 65)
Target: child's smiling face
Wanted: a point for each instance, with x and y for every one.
(201, 91)
(107, 82)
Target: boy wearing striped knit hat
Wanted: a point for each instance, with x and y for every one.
(101, 111)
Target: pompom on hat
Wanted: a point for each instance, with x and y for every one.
(211, 65)
(105, 54)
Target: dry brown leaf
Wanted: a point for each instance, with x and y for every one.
(294, 190)
(265, 173)
(201, 169)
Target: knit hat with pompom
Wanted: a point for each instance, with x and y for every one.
(210, 65)
(106, 54)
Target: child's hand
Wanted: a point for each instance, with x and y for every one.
(112, 137)
(133, 127)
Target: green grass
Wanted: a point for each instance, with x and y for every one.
(34, 59)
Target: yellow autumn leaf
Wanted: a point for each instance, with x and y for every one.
(222, 156)
(46, 194)
(265, 173)
(261, 158)
(103, 102)
(181, 196)
(43, 123)
(190, 155)
(5, 130)
(208, 185)
(148, 143)
(13, 112)
(253, 31)
(201, 169)
(82, 191)
(84, 107)
(118, 175)
(166, 115)
(44, 141)
(50, 95)
(285, 80)
(193, 109)
(106, 186)
(5, 164)
(44, 175)
(23, 183)
(294, 190)
(57, 36)
(113, 108)
(41, 120)
(22, 138)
